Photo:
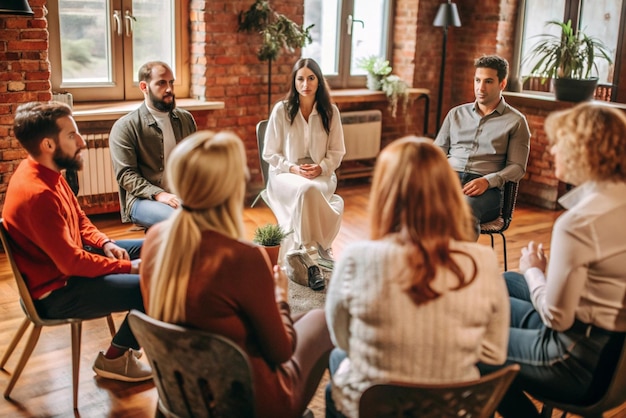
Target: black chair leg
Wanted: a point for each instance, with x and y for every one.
(504, 251)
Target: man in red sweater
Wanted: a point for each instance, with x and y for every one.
(72, 270)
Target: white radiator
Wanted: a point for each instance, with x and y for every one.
(97, 176)
(362, 130)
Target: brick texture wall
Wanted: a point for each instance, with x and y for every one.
(224, 67)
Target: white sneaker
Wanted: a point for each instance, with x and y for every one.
(127, 368)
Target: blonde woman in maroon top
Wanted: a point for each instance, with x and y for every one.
(198, 271)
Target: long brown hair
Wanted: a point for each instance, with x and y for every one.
(322, 95)
(416, 198)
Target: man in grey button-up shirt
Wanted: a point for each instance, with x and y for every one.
(487, 142)
(140, 143)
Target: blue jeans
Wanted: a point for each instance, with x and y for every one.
(485, 207)
(146, 212)
(573, 366)
(95, 297)
(336, 357)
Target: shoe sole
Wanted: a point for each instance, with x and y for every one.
(318, 287)
(120, 377)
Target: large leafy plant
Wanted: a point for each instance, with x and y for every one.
(277, 33)
(572, 54)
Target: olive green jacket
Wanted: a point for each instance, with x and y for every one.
(136, 145)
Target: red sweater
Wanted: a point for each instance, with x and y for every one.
(49, 229)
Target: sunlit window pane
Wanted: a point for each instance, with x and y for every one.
(153, 33)
(600, 19)
(368, 32)
(538, 13)
(324, 14)
(85, 46)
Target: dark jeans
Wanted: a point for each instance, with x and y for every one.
(88, 298)
(336, 357)
(485, 207)
(573, 366)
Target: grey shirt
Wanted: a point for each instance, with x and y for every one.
(495, 146)
(137, 152)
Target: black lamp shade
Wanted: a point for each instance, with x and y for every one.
(15, 7)
(447, 15)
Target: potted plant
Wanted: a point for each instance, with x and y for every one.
(270, 236)
(277, 32)
(568, 60)
(379, 77)
(377, 68)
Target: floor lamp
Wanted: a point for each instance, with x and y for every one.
(447, 15)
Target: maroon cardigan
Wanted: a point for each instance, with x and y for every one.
(231, 293)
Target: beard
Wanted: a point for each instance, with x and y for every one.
(160, 104)
(67, 162)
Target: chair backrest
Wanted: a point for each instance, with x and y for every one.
(261, 127)
(26, 299)
(509, 197)
(197, 373)
(616, 393)
(476, 399)
(614, 396)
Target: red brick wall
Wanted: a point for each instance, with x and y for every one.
(24, 77)
(224, 67)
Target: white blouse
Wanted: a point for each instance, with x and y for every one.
(586, 277)
(286, 144)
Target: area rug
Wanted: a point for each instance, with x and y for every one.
(303, 299)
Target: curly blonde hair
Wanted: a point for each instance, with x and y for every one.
(591, 142)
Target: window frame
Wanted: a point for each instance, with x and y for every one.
(343, 78)
(571, 10)
(122, 86)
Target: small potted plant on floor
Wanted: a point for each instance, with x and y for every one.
(270, 236)
(568, 60)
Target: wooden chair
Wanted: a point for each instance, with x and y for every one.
(197, 373)
(614, 396)
(32, 317)
(265, 166)
(501, 223)
(476, 399)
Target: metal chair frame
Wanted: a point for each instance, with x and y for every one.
(501, 223)
(265, 166)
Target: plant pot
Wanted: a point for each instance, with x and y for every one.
(574, 90)
(273, 252)
(374, 82)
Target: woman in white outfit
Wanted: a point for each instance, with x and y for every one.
(304, 146)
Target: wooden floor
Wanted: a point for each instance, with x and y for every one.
(44, 389)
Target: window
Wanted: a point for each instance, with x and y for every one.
(597, 18)
(344, 32)
(97, 47)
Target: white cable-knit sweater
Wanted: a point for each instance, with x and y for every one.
(388, 337)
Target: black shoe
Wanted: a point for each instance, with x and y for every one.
(316, 279)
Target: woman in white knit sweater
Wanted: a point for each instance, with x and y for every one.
(420, 301)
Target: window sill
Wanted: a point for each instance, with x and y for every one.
(547, 101)
(366, 95)
(88, 112)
